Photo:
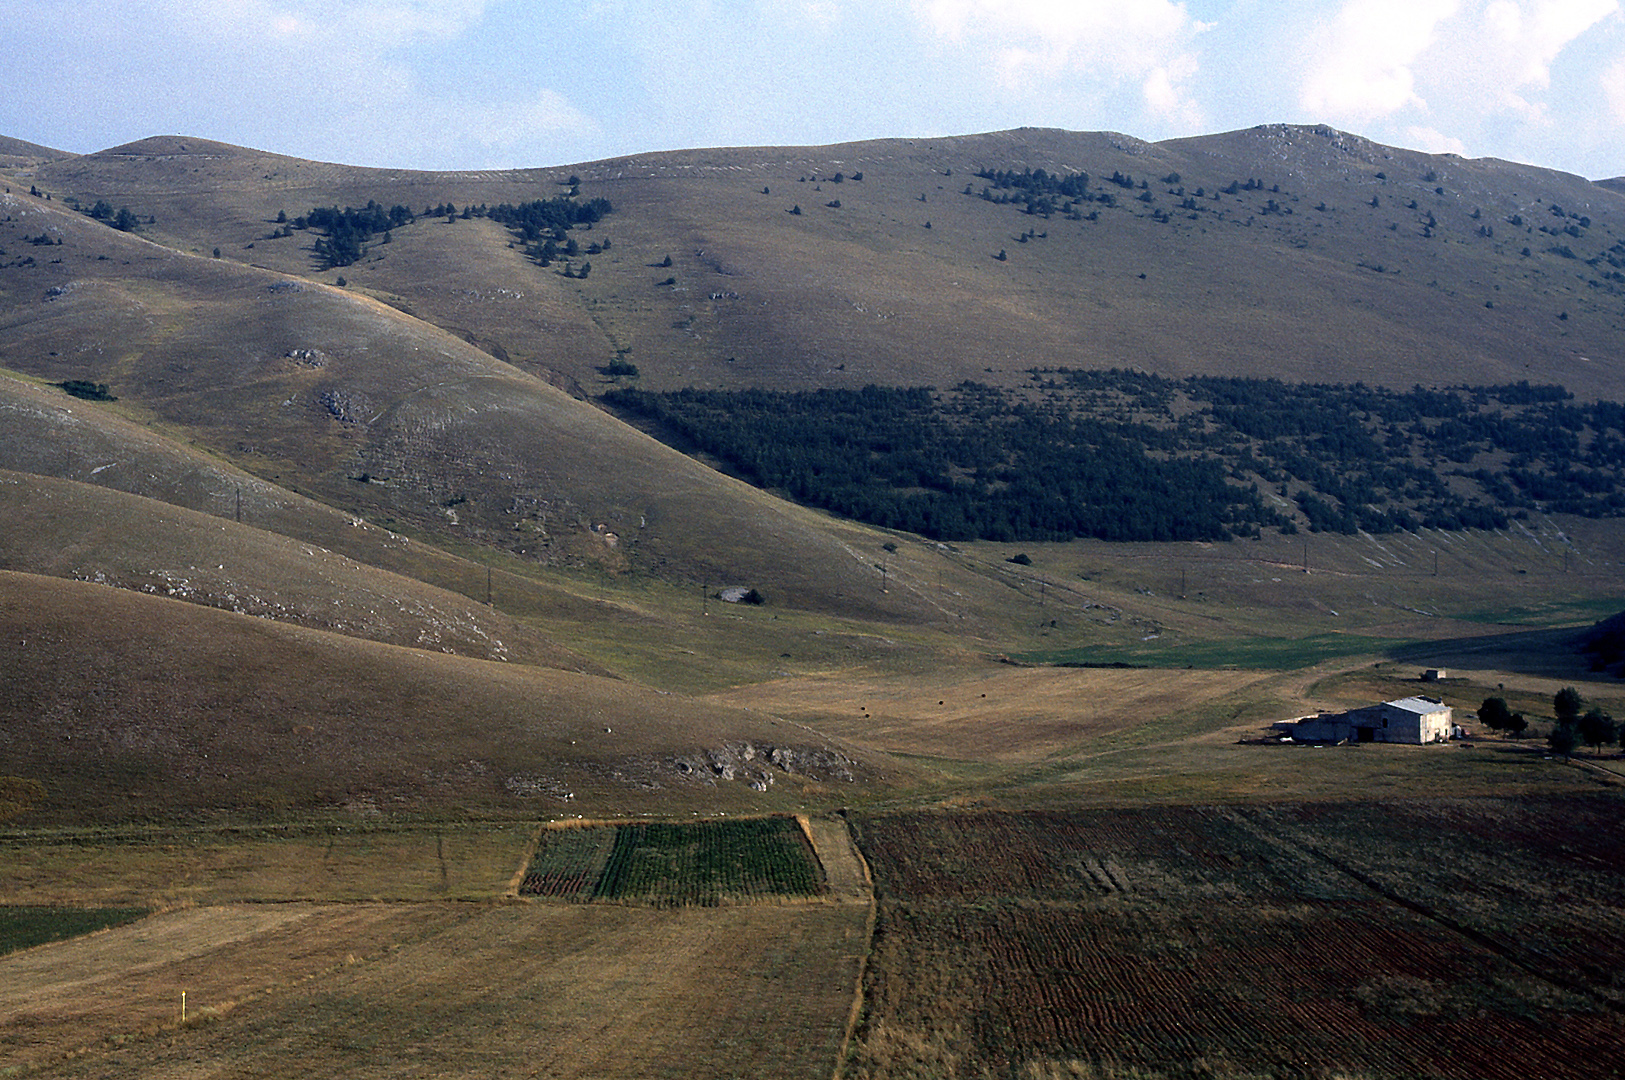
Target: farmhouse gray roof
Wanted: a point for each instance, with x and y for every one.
(1422, 706)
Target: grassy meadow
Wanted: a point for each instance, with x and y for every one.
(370, 684)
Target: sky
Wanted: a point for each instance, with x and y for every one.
(477, 84)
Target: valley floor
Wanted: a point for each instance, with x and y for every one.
(441, 989)
(1423, 935)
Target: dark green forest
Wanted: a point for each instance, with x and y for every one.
(540, 225)
(1120, 455)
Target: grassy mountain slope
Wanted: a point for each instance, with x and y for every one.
(79, 531)
(352, 402)
(391, 443)
(54, 436)
(16, 153)
(1300, 277)
(125, 705)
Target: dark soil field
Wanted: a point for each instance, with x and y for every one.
(1428, 938)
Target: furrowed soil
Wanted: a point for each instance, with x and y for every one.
(1461, 938)
(438, 989)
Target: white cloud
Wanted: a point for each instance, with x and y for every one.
(1430, 141)
(334, 79)
(506, 127)
(374, 24)
(1106, 42)
(1164, 94)
(1465, 61)
(1613, 88)
(1364, 58)
(1504, 56)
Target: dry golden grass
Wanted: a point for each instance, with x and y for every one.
(97, 993)
(338, 862)
(128, 706)
(79, 531)
(452, 990)
(865, 293)
(992, 713)
(844, 871)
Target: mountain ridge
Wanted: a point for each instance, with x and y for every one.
(425, 402)
(1300, 281)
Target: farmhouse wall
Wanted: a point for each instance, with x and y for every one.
(1414, 720)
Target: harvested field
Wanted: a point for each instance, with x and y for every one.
(1463, 938)
(452, 990)
(98, 993)
(845, 875)
(166, 867)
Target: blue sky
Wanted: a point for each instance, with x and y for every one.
(444, 84)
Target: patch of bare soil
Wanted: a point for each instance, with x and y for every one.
(844, 869)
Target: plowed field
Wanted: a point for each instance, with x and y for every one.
(1460, 939)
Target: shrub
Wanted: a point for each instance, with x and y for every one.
(86, 390)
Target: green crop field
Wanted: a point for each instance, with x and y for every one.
(673, 865)
(25, 927)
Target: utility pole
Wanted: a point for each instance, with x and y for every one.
(487, 586)
(239, 504)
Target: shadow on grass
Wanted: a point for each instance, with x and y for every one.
(1268, 653)
(1557, 653)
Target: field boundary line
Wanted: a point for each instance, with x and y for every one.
(542, 828)
(1613, 775)
(856, 1012)
(525, 857)
(1484, 941)
(804, 823)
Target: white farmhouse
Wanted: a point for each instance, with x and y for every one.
(1414, 720)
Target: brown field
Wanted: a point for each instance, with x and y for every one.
(1442, 938)
(435, 989)
(348, 861)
